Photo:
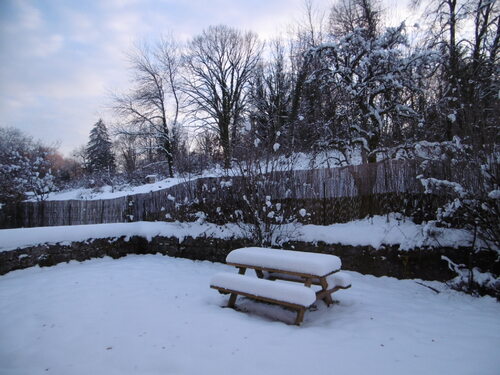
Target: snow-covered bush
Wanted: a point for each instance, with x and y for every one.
(370, 81)
(468, 178)
(25, 168)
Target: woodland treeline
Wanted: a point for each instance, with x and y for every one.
(339, 82)
(340, 79)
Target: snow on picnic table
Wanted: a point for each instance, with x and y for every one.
(153, 314)
(286, 260)
(286, 292)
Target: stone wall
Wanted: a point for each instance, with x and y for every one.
(211, 249)
(424, 264)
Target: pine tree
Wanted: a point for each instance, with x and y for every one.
(99, 154)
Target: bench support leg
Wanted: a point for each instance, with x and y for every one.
(232, 300)
(300, 316)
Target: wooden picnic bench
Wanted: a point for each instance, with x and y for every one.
(274, 264)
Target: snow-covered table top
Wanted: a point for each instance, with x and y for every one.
(285, 260)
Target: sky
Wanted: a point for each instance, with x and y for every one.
(62, 59)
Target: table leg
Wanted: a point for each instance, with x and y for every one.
(232, 300)
(300, 316)
(324, 289)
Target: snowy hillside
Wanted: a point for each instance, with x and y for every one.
(110, 192)
(157, 315)
(299, 161)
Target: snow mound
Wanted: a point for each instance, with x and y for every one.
(385, 230)
(377, 232)
(340, 279)
(24, 237)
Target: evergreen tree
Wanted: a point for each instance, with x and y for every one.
(99, 154)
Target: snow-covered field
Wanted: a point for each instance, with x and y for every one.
(157, 315)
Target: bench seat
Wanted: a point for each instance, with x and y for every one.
(284, 292)
(297, 297)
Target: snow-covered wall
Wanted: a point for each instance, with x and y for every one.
(376, 232)
(365, 253)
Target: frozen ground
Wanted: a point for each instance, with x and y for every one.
(156, 315)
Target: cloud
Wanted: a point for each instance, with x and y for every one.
(29, 17)
(65, 57)
(60, 59)
(47, 45)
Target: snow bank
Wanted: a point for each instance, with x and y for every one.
(291, 293)
(380, 230)
(25, 237)
(375, 232)
(286, 260)
(111, 192)
(341, 279)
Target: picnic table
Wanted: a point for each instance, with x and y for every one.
(271, 265)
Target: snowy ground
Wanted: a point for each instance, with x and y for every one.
(111, 192)
(156, 315)
(299, 161)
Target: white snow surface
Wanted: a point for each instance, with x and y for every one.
(383, 230)
(299, 161)
(376, 231)
(24, 237)
(151, 314)
(286, 292)
(286, 260)
(341, 279)
(110, 192)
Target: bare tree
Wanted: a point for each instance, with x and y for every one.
(307, 33)
(270, 98)
(348, 15)
(151, 109)
(127, 154)
(219, 64)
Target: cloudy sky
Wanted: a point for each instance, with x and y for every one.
(62, 58)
